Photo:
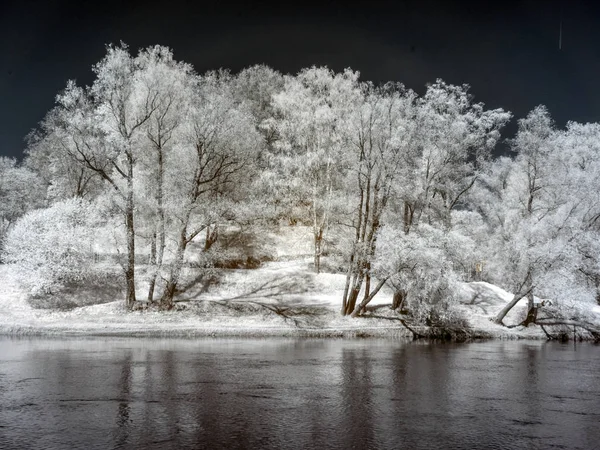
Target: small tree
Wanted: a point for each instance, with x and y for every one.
(54, 246)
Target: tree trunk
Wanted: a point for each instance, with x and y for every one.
(500, 316)
(351, 301)
(130, 268)
(525, 289)
(531, 316)
(362, 306)
(159, 234)
(212, 235)
(347, 286)
(166, 300)
(153, 265)
(531, 310)
(318, 249)
(398, 299)
(367, 283)
(356, 286)
(409, 212)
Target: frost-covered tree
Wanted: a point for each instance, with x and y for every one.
(421, 266)
(173, 83)
(102, 128)
(456, 137)
(212, 157)
(381, 132)
(49, 154)
(54, 246)
(545, 212)
(441, 141)
(580, 147)
(21, 190)
(310, 112)
(256, 86)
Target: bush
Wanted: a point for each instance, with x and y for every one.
(53, 248)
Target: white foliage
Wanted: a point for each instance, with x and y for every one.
(54, 246)
(421, 264)
(20, 191)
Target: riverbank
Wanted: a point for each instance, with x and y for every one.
(278, 299)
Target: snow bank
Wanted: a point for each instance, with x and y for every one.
(243, 304)
(18, 317)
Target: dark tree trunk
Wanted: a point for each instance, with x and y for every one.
(531, 316)
(525, 289)
(347, 286)
(212, 235)
(363, 305)
(318, 249)
(351, 304)
(153, 264)
(130, 268)
(409, 212)
(398, 299)
(531, 309)
(367, 283)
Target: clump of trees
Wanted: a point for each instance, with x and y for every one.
(167, 157)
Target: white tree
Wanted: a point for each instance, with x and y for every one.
(215, 151)
(381, 132)
(435, 148)
(310, 112)
(421, 265)
(20, 191)
(49, 155)
(456, 137)
(102, 128)
(546, 209)
(172, 82)
(54, 246)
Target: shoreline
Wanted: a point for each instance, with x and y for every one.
(217, 332)
(309, 312)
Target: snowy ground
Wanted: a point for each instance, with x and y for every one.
(278, 285)
(281, 298)
(243, 305)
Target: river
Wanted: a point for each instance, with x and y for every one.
(285, 393)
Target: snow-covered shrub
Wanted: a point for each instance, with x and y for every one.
(53, 247)
(421, 265)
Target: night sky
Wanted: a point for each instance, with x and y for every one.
(507, 51)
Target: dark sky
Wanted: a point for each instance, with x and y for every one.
(507, 51)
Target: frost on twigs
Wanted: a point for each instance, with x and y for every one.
(54, 248)
(196, 177)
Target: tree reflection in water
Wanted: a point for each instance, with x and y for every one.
(279, 393)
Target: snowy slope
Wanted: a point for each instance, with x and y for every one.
(286, 284)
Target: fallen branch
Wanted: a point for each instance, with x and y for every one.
(415, 334)
(595, 332)
(548, 335)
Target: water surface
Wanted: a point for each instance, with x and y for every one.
(285, 393)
